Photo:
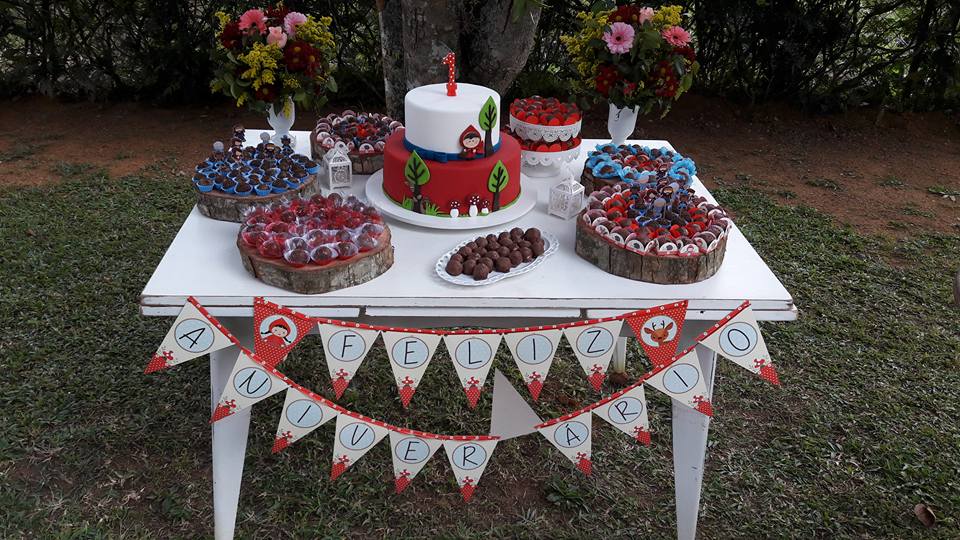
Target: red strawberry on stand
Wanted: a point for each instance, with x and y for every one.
(703, 405)
(473, 391)
(223, 410)
(467, 488)
(641, 435)
(596, 378)
(583, 463)
(159, 361)
(339, 466)
(401, 482)
(535, 385)
(406, 391)
(341, 382)
(767, 372)
(282, 441)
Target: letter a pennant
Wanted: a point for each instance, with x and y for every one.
(684, 382)
(193, 334)
(658, 330)
(409, 354)
(572, 436)
(301, 415)
(533, 352)
(249, 382)
(345, 348)
(472, 356)
(276, 331)
(469, 459)
(627, 411)
(737, 337)
(353, 438)
(594, 346)
(410, 453)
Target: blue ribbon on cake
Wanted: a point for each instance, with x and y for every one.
(442, 157)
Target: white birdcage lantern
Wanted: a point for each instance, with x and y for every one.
(566, 198)
(339, 167)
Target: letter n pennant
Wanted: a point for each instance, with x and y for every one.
(627, 411)
(684, 382)
(533, 352)
(658, 330)
(301, 415)
(737, 337)
(194, 333)
(249, 382)
(353, 438)
(410, 453)
(276, 330)
(572, 436)
(594, 345)
(469, 457)
(345, 348)
(409, 354)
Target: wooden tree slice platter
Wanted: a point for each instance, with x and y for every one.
(226, 207)
(591, 183)
(362, 163)
(662, 269)
(312, 279)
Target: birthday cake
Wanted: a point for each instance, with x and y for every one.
(452, 160)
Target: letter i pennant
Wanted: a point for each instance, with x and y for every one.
(301, 415)
(410, 453)
(684, 382)
(354, 438)
(737, 337)
(627, 411)
(472, 356)
(572, 436)
(658, 330)
(345, 348)
(594, 345)
(468, 458)
(409, 354)
(533, 352)
(249, 382)
(194, 333)
(276, 331)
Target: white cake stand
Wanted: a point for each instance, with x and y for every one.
(524, 203)
(543, 164)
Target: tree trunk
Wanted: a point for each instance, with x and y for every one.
(491, 47)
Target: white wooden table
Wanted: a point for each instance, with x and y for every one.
(203, 262)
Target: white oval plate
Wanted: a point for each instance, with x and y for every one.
(550, 246)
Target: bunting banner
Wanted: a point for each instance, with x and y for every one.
(193, 334)
(469, 459)
(627, 411)
(658, 330)
(533, 352)
(683, 380)
(472, 356)
(277, 330)
(409, 355)
(594, 346)
(353, 438)
(345, 349)
(249, 382)
(572, 436)
(410, 453)
(301, 415)
(737, 338)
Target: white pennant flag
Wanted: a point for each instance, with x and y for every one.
(301, 415)
(410, 453)
(594, 346)
(472, 356)
(409, 354)
(469, 459)
(684, 382)
(533, 352)
(249, 382)
(353, 439)
(194, 333)
(345, 349)
(737, 337)
(572, 436)
(628, 413)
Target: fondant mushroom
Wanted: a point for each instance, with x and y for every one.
(473, 202)
(454, 209)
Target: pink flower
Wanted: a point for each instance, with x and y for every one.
(619, 38)
(292, 20)
(645, 15)
(276, 35)
(251, 18)
(676, 36)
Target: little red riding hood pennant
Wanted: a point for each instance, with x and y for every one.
(594, 345)
(345, 349)
(194, 333)
(409, 354)
(737, 337)
(628, 413)
(533, 352)
(301, 415)
(469, 459)
(472, 356)
(658, 330)
(684, 382)
(572, 436)
(410, 453)
(353, 438)
(249, 382)
(276, 330)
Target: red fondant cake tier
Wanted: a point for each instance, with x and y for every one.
(456, 181)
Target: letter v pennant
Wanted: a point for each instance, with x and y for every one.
(658, 330)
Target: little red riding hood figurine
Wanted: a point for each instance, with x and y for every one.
(277, 334)
(472, 143)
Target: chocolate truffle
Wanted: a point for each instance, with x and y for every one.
(524, 243)
(537, 249)
(469, 266)
(502, 264)
(486, 261)
(472, 245)
(515, 258)
(481, 272)
(503, 251)
(508, 243)
(465, 251)
(516, 232)
(457, 257)
(454, 268)
(481, 242)
(491, 238)
(493, 246)
(527, 254)
(532, 234)
(503, 236)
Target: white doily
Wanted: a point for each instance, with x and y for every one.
(531, 157)
(537, 132)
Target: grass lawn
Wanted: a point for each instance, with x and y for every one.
(865, 426)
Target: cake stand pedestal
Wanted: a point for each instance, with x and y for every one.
(546, 164)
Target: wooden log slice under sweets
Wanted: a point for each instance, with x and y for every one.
(591, 183)
(225, 207)
(313, 279)
(364, 132)
(665, 269)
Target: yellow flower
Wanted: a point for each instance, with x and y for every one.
(223, 18)
(261, 59)
(666, 16)
(290, 83)
(592, 27)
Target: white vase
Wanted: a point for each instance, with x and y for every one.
(281, 123)
(621, 123)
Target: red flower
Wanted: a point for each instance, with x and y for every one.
(605, 79)
(300, 56)
(686, 52)
(231, 36)
(277, 13)
(266, 93)
(625, 14)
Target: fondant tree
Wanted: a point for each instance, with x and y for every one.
(417, 174)
(488, 120)
(499, 177)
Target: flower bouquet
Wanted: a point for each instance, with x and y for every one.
(270, 59)
(634, 57)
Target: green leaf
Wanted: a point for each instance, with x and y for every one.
(416, 171)
(331, 84)
(488, 114)
(499, 178)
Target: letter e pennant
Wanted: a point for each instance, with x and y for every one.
(410, 453)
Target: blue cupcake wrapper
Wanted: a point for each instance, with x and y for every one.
(205, 189)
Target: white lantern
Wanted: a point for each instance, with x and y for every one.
(566, 198)
(338, 165)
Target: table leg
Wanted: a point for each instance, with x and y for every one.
(619, 362)
(690, 430)
(229, 436)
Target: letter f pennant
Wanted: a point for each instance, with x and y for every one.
(345, 347)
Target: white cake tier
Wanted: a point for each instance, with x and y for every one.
(435, 120)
